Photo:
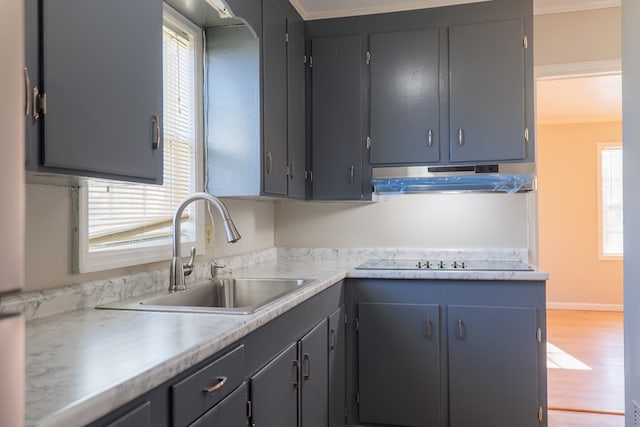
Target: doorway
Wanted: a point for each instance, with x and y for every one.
(579, 112)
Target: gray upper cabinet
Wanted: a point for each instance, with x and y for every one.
(399, 364)
(487, 91)
(405, 97)
(337, 114)
(296, 129)
(493, 366)
(274, 68)
(100, 78)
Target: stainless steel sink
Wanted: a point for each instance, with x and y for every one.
(220, 295)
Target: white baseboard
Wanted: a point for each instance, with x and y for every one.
(584, 306)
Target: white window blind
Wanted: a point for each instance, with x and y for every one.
(611, 200)
(124, 214)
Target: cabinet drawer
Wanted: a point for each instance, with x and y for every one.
(197, 393)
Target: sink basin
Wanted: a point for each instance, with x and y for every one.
(220, 295)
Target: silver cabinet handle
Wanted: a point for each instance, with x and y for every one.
(296, 367)
(156, 141)
(332, 339)
(429, 329)
(306, 360)
(217, 386)
(36, 96)
(352, 174)
(27, 92)
(292, 170)
(460, 329)
(460, 137)
(430, 137)
(269, 162)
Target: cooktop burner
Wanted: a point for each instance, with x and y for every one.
(477, 265)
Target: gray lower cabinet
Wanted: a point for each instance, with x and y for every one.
(399, 364)
(405, 97)
(95, 88)
(337, 117)
(313, 357)
(486, 91)
(433, 353)
(492, 366)
(138, 417)
(274, 391)
(337, 368)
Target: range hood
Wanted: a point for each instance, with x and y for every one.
(508, 177)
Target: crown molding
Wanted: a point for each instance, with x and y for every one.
(574, 69)
(586, 5)
(395, 6)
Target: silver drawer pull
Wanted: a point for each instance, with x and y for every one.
(352, 174)
(429, 329)
(460, 329)
(460, 137)
(27, 89)
(332, 339)
(430, 138)
(269, 162)
(155, 144)
(307, 373)
(217, 386)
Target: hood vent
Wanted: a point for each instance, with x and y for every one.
(508, 178)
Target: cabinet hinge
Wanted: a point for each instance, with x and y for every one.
(368, 143)
(539, 335)
(249, 409)
(39, 103)
(286, 37)
(310, 61)
(540, 414)
(357, 324)
(526, 134)
(525, 42)
(288, 171)
(368, 57)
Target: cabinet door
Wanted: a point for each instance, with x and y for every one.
(405, 97)
(336, 123)
(274, 391)
(337, 368)
(102, 77)
(274, 89)
(493, 370)
(314, 388)
(399, 364)
(296, 107)
(230, 412)
(486, 91)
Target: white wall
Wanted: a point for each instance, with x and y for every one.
(49, 237)
(417, 220)
(576, 37)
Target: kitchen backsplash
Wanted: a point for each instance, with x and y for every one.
(48, 302)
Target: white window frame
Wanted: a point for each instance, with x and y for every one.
(160, 249)
(601, 255)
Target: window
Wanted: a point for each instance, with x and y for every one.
(610, 199)
(123, 223)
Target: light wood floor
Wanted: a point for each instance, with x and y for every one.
(592, 342)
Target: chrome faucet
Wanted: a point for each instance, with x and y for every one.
(178, 269)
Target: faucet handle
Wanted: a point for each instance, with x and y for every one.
(215, 266)
(188, 267)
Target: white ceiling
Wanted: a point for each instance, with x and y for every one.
(319, 9)
(579, 100)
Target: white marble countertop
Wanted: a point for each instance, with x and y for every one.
(84, 363)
